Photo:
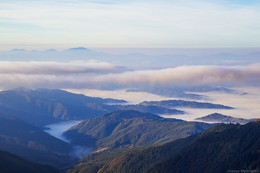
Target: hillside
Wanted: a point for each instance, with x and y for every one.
(219, 149)
(187, 104)
(10, 163)
(130, 129)
(235, 148)
(136, 160)
(128, 160)
(219, 118)
(31, 143)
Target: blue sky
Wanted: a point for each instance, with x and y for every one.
(143, 23)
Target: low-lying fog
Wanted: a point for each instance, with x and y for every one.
(131, 97)
(57, 131)
(244, 100)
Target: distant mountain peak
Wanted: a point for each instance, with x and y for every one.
(50, 50)
(18, 50)
(78, 49)
(217, 115)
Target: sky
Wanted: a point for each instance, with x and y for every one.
(125, 23)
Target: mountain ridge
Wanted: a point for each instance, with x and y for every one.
(130, 128)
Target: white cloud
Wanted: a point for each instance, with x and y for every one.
(95, 75)
(55, 68)
(191, 75)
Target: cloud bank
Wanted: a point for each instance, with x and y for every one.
(101, 74)
(56, 68)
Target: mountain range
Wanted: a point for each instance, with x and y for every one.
(144, 60)
(46, 106)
